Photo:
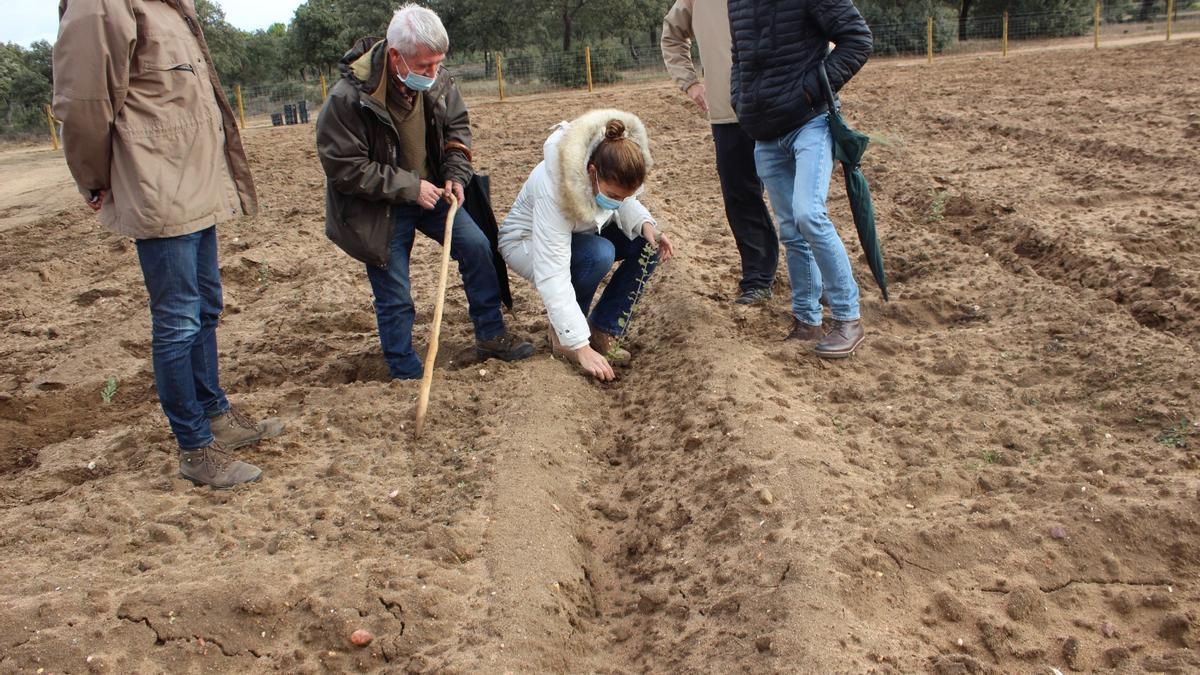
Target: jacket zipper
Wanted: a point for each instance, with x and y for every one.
(392, 146)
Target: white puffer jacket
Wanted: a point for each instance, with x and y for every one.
(557, 202)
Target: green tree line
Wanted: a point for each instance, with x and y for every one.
(528, 32)
(322, 30)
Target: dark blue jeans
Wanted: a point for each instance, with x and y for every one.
(592, 255)
(184, 284)
(394, 309)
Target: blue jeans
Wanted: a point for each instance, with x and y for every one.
(592, 255)
(394, 309)
(184, 284)
(796, 169)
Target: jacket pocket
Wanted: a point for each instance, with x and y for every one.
(171, 173)
(362, 229)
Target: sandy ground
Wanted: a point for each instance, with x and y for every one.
(1004, 479)
(36, 185)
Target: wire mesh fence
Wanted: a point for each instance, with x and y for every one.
(531, 71)
(277, 104)
(944, 33)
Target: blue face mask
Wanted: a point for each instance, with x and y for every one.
(604, 201)
(415, 81)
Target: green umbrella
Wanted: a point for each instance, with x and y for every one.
(848, 148)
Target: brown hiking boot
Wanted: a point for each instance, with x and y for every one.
(233, 430)
(803, 332)
(841, 341)
(214, 467)
(506, 347)
(610, 347)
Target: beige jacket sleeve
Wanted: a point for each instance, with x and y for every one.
(677, 36)
(92, 56)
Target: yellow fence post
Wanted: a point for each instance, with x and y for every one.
(1096, 29)
(237, 91)
(1004, 36)
(53, 127)
(587, 57)
(500, 75)
(1170, 16)
(929, 41)
(324, 88)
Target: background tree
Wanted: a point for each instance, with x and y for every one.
(267, 57)
(39, 58)
(316, 36)
(23, 78)
(364, 18)
(24, 86)
(226, 44)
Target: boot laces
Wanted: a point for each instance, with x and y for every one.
(216, 456)
(241, 420)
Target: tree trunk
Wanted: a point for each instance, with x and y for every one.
(963, 11)
(566, 30)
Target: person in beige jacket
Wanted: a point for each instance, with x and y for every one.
(706, 22)
(151, 142)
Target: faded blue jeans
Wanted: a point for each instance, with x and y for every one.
(796, 169)
(184, 284)
(394, 310)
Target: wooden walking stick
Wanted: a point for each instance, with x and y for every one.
(431, 354)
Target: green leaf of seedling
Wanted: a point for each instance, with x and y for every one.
(109, 390)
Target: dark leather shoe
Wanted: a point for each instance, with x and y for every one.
(803, 332)
(753, 296)
(506, 347)
(841, 340)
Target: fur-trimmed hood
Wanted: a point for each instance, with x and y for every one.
(567, 152)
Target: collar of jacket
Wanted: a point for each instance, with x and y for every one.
(576, 147)
(365, 66)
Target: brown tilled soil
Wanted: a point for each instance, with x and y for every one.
(1006, 478)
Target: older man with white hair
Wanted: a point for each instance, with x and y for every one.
(395, 142)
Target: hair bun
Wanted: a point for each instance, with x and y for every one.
(614, 130)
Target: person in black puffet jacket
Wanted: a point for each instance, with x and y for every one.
(778, 47)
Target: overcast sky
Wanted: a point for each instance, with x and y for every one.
(26, 21)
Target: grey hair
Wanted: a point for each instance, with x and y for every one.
(413, 27)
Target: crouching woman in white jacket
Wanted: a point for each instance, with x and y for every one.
(576, 215)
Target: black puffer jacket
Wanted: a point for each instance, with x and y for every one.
(777, 46)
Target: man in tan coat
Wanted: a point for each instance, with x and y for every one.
(152, 145)
(707, 22)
